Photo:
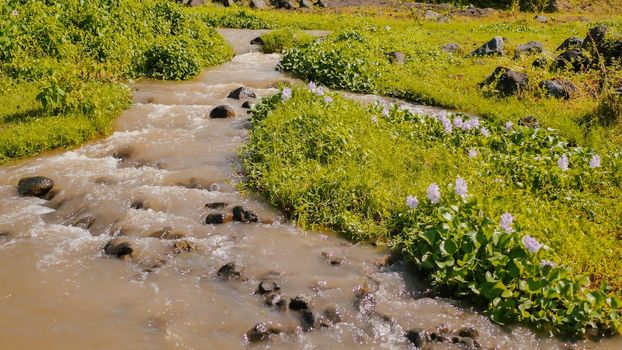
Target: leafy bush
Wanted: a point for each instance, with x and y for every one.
(171, 61)
(333, 163)
(283, 39)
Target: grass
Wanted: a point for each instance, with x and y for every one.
(64, 65)
(342, 166)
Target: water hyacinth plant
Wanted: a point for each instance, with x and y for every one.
(367, 176)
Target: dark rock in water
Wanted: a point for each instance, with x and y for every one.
(221, 112)
(559, 88)
(229, 271)
(364, 301)
(541, 19)
(216, 205)
(267, 286)
(300, 302)
(529, 121)
(438, 337)
(451, 47)
(309, 320)
(332, 259)
(571, 43)
(277, 300)
(167, 233)
(262, 332)
(494, 47)
(123, 153)
(573, 58)
(387, 260)
(418, 337)
(139, 205)
(257, 41)
(241, 93)
(466, 343)
(306, 4)
(507, 82)
(84, 222)
(248, 105)
(469, 332)
(182, 246)
(540, 62)
(215, 219)
(529, 48)
(258, 4)
(241, 214)
(397, 57)
(119, 248)
(333, 314)
(36, 186)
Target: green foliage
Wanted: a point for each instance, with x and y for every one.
(350, 168)
(283, 39)
(70, 50)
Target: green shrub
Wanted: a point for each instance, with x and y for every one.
(283, 39)
(171, 61)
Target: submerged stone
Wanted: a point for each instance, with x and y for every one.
(36, 186)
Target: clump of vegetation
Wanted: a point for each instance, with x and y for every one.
(505, 215)
(282, 39)
(62, 64)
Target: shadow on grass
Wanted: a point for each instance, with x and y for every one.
(24, 116)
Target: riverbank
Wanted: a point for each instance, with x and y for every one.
(65, 66)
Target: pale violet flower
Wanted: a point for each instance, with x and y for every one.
(472, 153)
(548, 263)
(506, 222)
(595, 161)
(385, 111)
(14, 13)
(434, 193)
(311, 86)
(286, 94)
(457, 121)
(374, 119)
(441, 115)
(509, 126)
(470, 124)
(531, 244)
(562, 163)
(484, 131)
(319, 91)
(461, 187)
(328, 99)
(412, 202)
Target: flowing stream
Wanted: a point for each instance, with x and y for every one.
(149, 183)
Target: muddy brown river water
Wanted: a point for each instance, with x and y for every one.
(149, 184)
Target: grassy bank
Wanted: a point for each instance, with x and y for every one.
(63, 65)
(330, 162)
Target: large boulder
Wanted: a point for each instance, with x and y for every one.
(230, 271)
(573, 59)
(258, 4)
(221, 112)
(595, 37)
(431, 15)
(397, 57)
(306, 4)
(119, 248)
(507, 81)
(36, 186)
(495, 47)
(529, 48)
(284, 4)
(574, 42)
(242, 93)
(559, 88)
(262, 332)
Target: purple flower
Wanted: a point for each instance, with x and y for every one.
(458, 122)
(412, 202)
(319, 91)
(14, 13)
(509, 126)
(286, 94)
(562, 163)
(328, 99)
(441, 115)
(385, 111)
(461, 187)
(484, 131)
(548, 263)
(434, 193)
(470, 124)
(312, 86)
(506, 222)
(595, 161)
(374, 119)
(531, 244)
(472, 153)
